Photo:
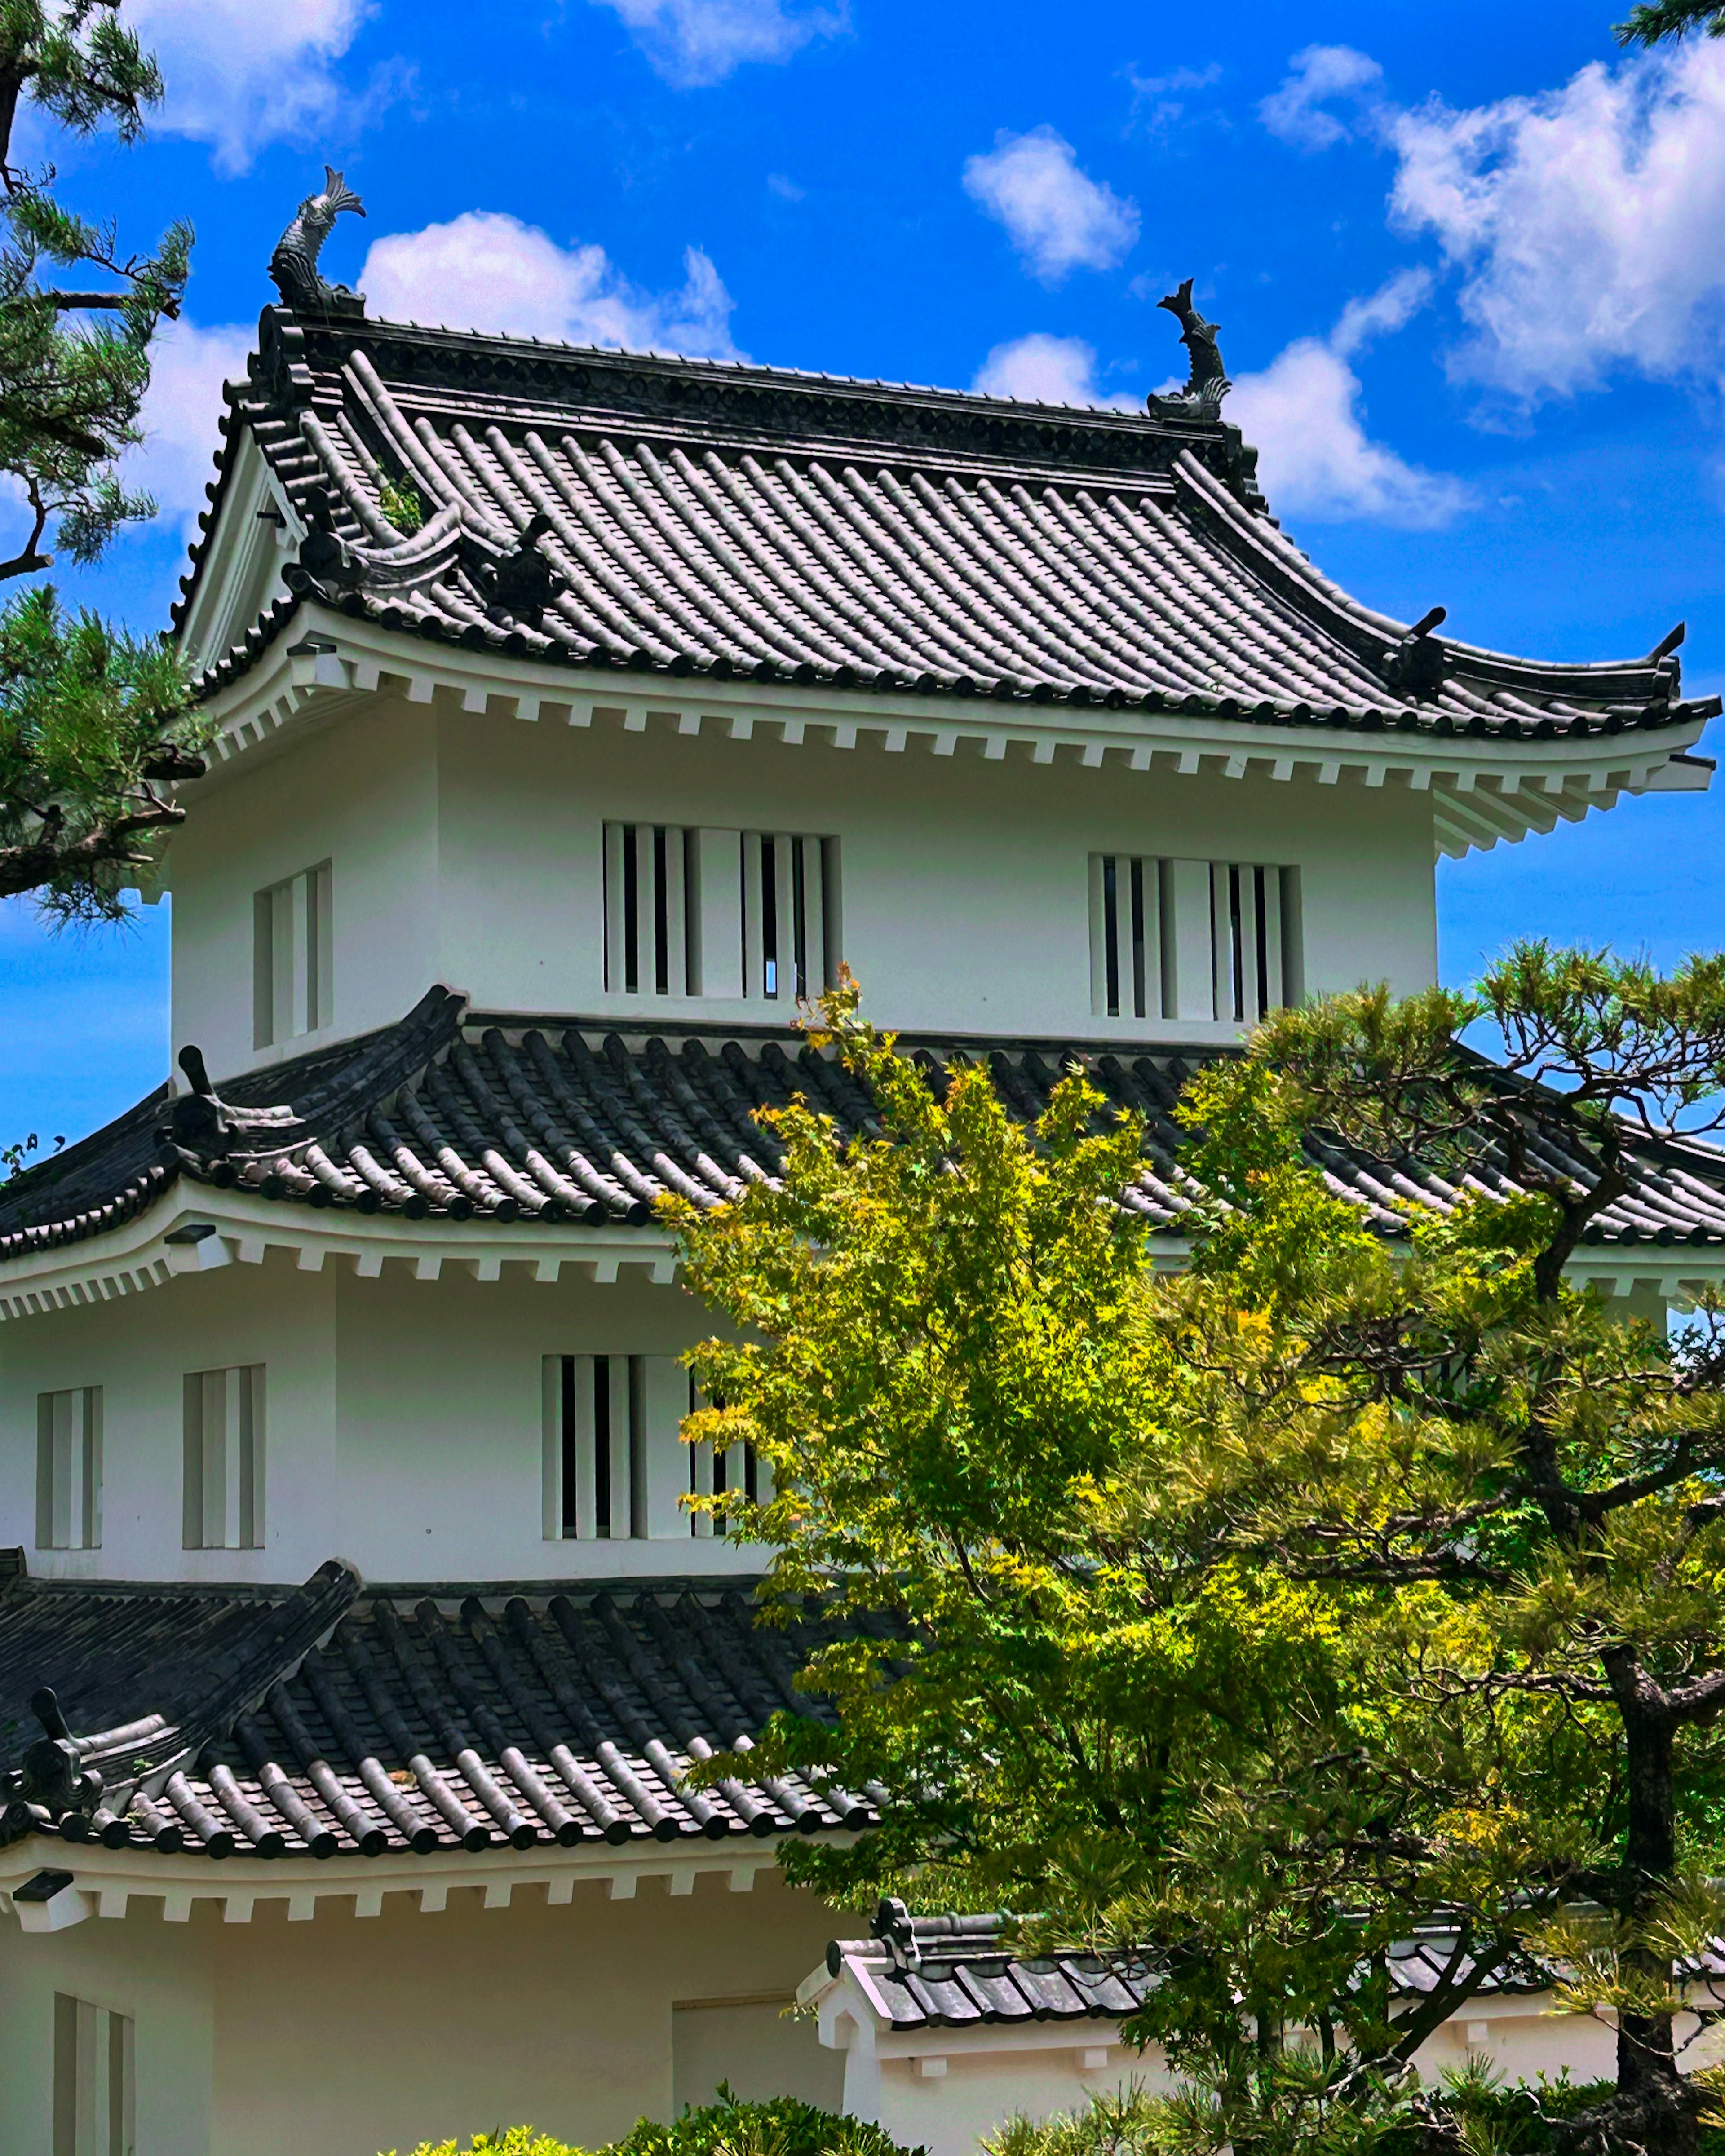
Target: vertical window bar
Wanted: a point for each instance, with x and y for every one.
(1237, 942)
(813, 914)
(1262, 942)
(91, 1495)
(621, 1448)
(1274, 988)
(616, 964)
(674, 903)
(639, 1526)
(1098, 960)
(754, 932)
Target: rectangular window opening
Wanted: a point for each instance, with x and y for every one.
(293, 965)
(223, 1477)
(1192, 940)
(69, 1469)
(94, 2080)
(598, 1417)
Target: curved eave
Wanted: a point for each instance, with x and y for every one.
(1486, 784)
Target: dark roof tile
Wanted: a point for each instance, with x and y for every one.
(467, 1117)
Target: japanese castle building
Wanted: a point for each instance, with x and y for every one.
(576, 713)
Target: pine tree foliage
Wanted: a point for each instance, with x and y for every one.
(93, 724)
(1251, 1623)
(1660, 21)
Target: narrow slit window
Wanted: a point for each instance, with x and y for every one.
(710, 1474)
(737, 914)
(94, 2080)
(1204, 940)
(293, 961)
(224, 1467)
(596, 1487)
(69, 1469)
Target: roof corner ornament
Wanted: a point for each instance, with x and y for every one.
(1420, 663)
(202, 1123)
(1208, 382)
(324, 553)
(1667, 667)
(52, 1781)
(522, 584)
(293, 266)
(893, 1922)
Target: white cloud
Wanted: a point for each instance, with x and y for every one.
(1058, 217)
(1588, 222)
(487, 270)
(241, 73)
(1296, 112)
(1159, 100)
(1040, 369)
(693, 43)
(187, 367)
(1304, 415)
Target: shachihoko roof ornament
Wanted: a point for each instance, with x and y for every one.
(293, 267)
(1207, 382)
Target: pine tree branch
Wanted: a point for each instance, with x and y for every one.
(48, 859)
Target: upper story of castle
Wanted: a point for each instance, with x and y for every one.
(649, 690)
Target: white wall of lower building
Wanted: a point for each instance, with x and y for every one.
(342, 2036)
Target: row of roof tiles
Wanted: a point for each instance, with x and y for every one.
(1156, 583)
(406, 1721)
(461, 1118)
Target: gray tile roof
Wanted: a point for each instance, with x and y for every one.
(744, 522)
(961, 1972)
(327, 1719)
(456, 1115)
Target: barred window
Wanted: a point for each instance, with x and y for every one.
(95, 2100)
(743, 914)
(293, 973)
(1175, 939)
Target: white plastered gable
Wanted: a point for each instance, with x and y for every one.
(256, 536)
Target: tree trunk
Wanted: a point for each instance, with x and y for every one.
(1647, 2060)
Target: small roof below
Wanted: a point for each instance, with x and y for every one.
(458, 1116)
(675, 516)
(956, 1972)
(328, 1719)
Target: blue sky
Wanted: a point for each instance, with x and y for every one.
(1469, 269)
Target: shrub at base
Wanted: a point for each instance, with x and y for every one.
(781, 2126)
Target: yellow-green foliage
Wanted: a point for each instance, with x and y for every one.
(516, 2141)
(1261, 1616)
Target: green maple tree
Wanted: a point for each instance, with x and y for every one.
(1341, 1591)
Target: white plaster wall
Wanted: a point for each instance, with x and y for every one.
(359, 792)
(441, 1423)
(138, 1350)
(466, 849)
(980, 2090)
(403, 1421)
(161, 1976)
(343, 2037)
(992, 2074)
(965, 883)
